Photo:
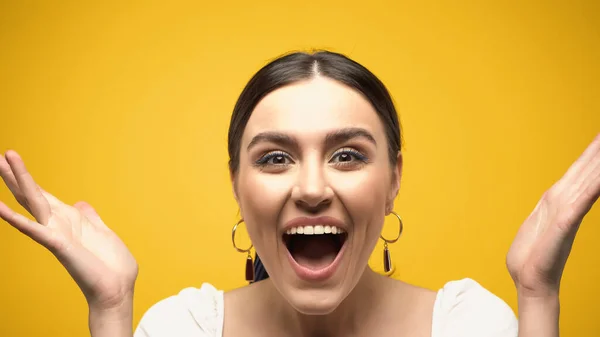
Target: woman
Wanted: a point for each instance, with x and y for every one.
(315, 163)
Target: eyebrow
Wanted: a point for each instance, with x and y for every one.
(332, 138)
(274, 137)
(346, 134)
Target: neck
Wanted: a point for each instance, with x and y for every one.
(348, 319)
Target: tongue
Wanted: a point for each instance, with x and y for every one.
(314, 251)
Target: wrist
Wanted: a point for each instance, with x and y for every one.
(112, 321)
(537, 292)
(123, 307)
(549, 301)
(538, 315)
(110, 305)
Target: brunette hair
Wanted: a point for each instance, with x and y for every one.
(299, 66)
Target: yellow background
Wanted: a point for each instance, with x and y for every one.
(127, 106)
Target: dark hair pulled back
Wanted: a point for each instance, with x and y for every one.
(299, 66)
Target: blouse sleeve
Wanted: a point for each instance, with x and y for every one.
(464, 308)
(193, 312)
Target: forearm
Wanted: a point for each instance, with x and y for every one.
(117, 322)
(538, 316)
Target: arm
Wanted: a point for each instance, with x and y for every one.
(538, 317)
(116, 322)
(537, 257)
(98, 261)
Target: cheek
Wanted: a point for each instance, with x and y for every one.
(363, 194)
(263, 193)
(261, 198)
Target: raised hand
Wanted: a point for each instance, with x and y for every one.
(538, 254)
(94, 256)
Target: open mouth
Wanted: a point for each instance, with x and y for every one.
(315, 247)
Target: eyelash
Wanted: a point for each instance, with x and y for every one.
(353, 153)
(264, 160)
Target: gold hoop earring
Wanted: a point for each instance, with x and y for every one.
(387, 258)
(249, 262)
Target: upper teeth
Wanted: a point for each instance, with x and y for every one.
(315, 230)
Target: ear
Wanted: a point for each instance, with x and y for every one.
(232, 178)
(394, 184)
(233, 186)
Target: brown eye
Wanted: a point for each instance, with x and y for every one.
(344, 157)
(348, 156)
(276, 158)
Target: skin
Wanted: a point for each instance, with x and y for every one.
(106, 271)
(313, 181)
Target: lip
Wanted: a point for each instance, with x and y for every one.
(311, 221)
(317, 275)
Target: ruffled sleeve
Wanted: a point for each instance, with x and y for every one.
(464, 308)
(193, 312)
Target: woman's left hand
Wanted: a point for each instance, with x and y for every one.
(538, 254)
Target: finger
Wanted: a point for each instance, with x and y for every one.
(589, 164)
(52, 200)
(586, 187)
(38, 205)
(37, 232)
(10, 181)
(574, 173)
(592, 189)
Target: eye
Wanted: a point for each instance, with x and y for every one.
(348, 156)
(274, 158)
(344, 157)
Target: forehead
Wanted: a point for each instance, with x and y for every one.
(311, 107)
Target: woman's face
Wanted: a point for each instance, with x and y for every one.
(314, 185)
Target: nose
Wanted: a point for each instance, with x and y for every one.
(312, 191)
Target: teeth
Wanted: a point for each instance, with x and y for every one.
(315, 230)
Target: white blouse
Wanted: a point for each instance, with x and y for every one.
(462, 308)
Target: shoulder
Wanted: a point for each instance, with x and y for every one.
(192, 312)
(465, 308)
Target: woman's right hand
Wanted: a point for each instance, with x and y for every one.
(94, 256)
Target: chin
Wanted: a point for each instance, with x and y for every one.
(315, 301)
(316, 260)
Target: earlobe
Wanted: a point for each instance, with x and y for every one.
(389, 208)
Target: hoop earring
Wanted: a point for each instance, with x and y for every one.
(387, 258)
(249, 262)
